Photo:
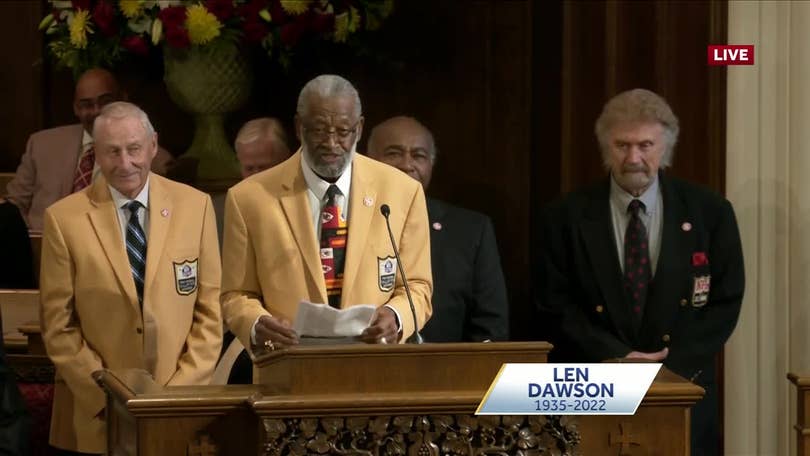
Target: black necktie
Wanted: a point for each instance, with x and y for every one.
(136, 247)
(637, 272)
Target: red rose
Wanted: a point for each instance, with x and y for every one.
(104, 17)
(255, 31)
(699, 259)
(177, 37)
(321, 23)
(222, 9)
(81, 4)
(291, 33)
(136, 45)
(172, 16)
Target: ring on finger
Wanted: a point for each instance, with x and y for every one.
(383, 340)
(269, 345)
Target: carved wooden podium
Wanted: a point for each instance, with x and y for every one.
(379, 400)
(802, 426)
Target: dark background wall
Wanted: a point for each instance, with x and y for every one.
(511, 90)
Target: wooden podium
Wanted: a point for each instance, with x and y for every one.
(802, 426)
(379, 400)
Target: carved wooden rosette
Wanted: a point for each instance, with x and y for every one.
(422, 435)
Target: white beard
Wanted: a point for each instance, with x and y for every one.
(308, 160)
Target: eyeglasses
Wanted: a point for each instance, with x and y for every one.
(85, 104)
(321, 133)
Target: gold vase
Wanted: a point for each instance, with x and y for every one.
(209, 83)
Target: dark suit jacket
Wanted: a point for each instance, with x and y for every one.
(582, 302)
(469, 295)
(17, 271)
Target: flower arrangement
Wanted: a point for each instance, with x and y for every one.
(87, 33)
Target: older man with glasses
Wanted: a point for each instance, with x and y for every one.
(311, 229)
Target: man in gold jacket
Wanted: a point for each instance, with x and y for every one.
(130, 279)
(311, 229)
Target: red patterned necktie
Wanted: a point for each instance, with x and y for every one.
(637, 272)
(84, 172)
(334, 232)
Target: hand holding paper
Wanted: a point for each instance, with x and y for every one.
(383, 327)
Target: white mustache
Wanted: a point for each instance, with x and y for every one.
(635, 169)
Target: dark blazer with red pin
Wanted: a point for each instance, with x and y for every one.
(582, 305)
(469, 291)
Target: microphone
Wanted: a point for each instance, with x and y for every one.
(416, 338)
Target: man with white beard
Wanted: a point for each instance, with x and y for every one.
(311, 229)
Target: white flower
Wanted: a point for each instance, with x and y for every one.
(141, 25)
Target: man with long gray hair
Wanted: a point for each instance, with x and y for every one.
(643, 265)
(311, 229)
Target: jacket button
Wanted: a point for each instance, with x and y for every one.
(683, 302)
(139, 330)
(665, 338)
(599, 309)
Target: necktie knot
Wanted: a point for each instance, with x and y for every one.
(133, 207)
(331, 193)
(634, 206)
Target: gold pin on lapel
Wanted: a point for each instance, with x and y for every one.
(164, 212)
(368, 201)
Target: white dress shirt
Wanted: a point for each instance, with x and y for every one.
(123, 213)
(317, 193)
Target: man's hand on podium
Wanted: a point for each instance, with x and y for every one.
(275, 333)
(657, 356)
(383, 327)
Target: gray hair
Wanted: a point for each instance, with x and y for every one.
(261, 128)
(638, 105)
(328, 86)
(123, 109)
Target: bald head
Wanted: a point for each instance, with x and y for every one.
(404, 143)
(95, 88)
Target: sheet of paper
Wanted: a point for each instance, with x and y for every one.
(320, 320)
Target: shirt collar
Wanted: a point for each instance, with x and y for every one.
(621, 199)
(87, 140)
(120, 200)
(319, 186)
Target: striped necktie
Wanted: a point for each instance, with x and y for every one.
(84, 172)
(136, 247)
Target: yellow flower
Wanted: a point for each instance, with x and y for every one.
(354, 19)
(202, 26)
(79, 28)
(131, 8)
(295, 7)
(341, 27)
(346, 23)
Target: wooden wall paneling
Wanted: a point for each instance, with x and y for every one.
(21, 78)
(506, 159)
(583, 92)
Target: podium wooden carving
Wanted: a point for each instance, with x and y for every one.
(802, 426)
(379, 400)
